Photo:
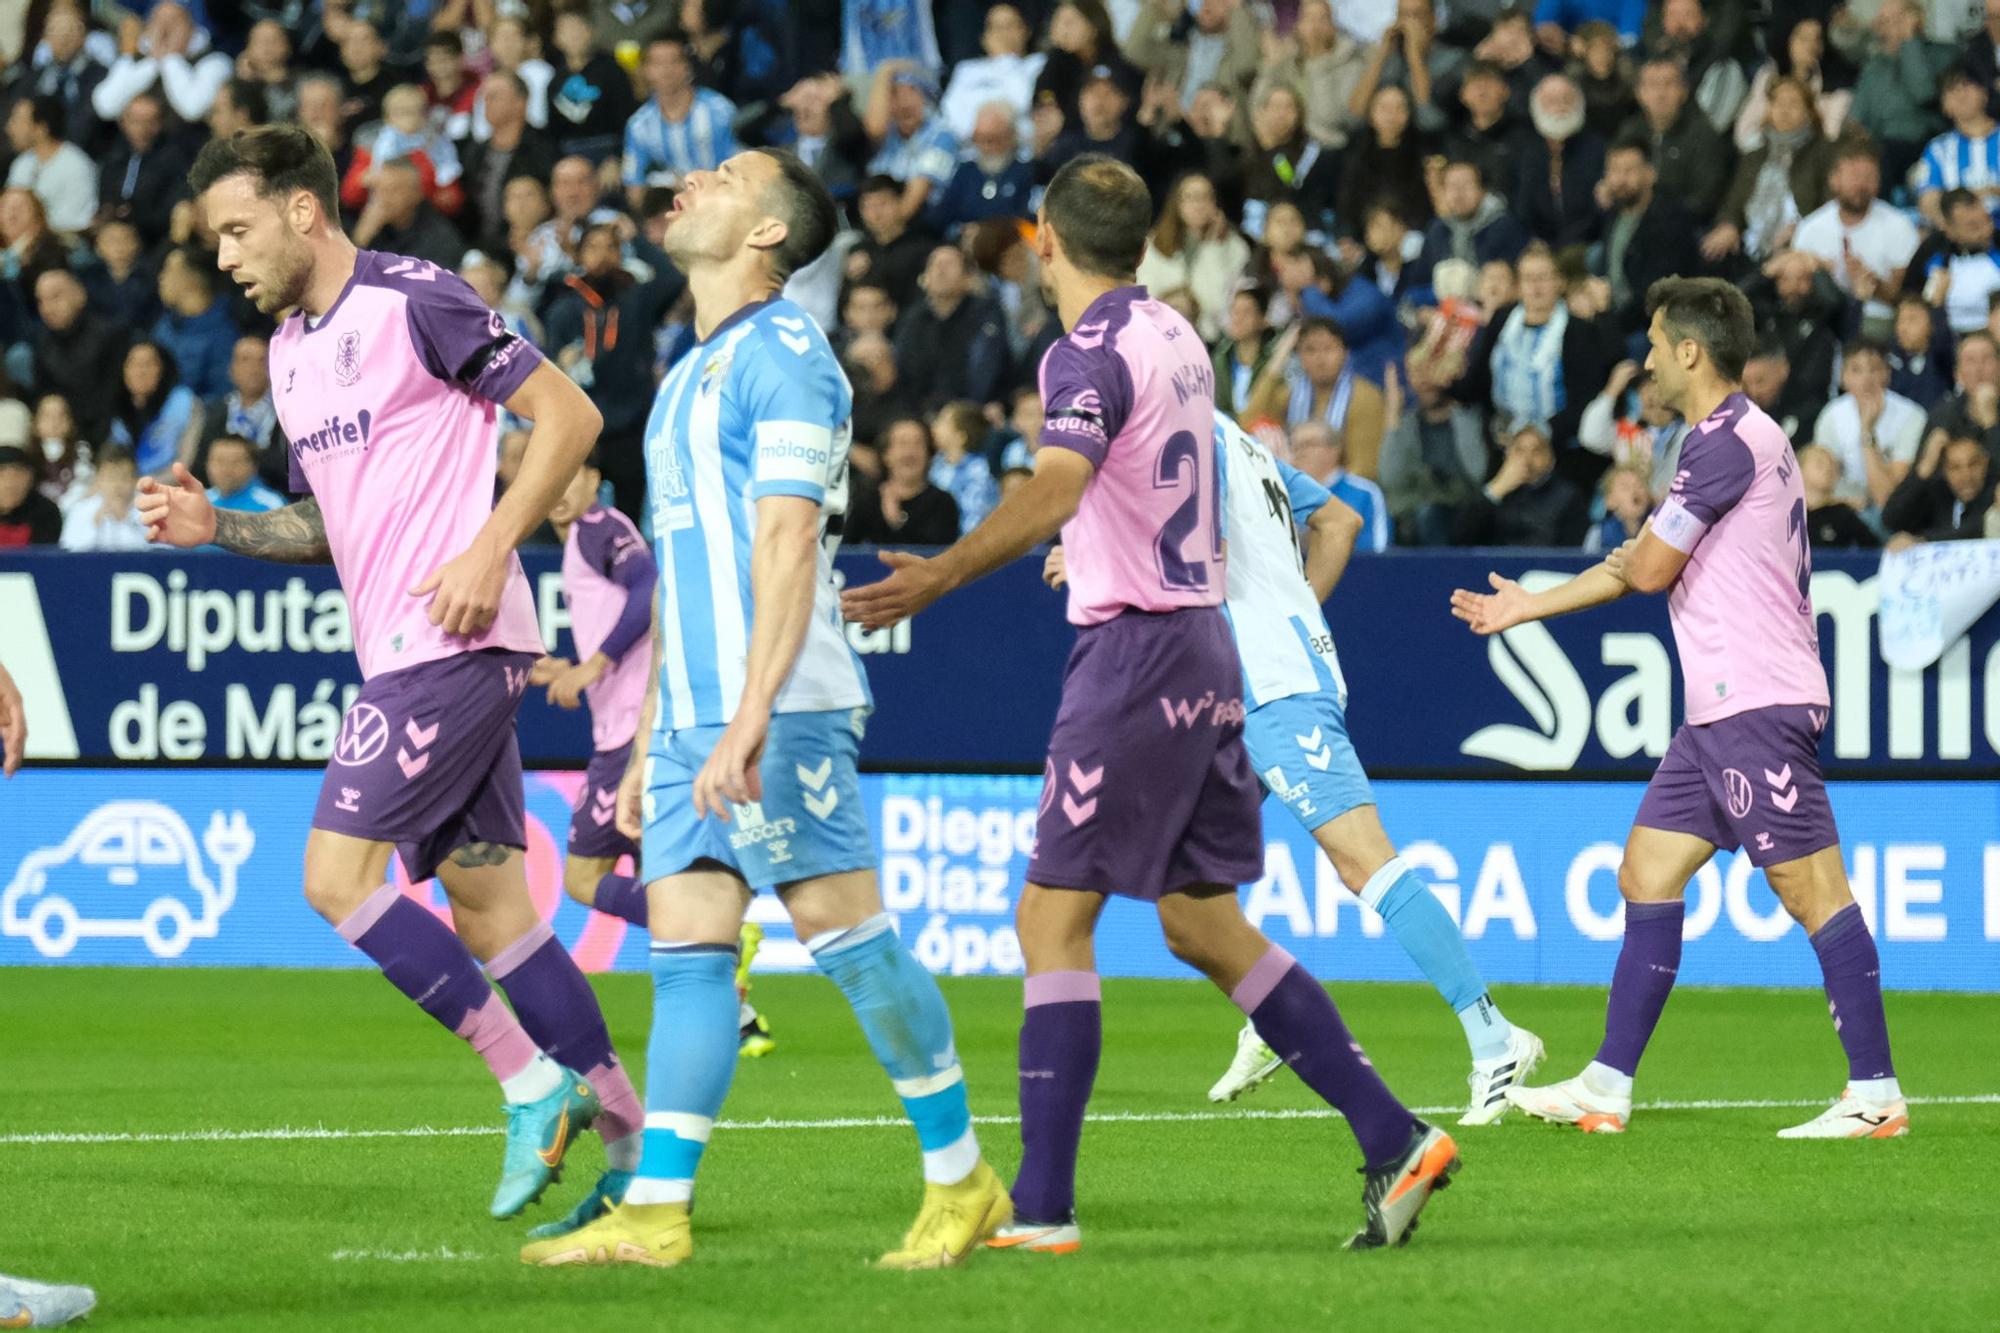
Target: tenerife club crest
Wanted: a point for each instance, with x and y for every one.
(347, 358)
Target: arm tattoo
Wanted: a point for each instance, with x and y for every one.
(294, 535)
(476, 854)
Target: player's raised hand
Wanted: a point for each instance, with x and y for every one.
(632, 799)
(176, 513)
(731, 776)
(1489, 613)
(465, 590)
(1055, 570)
(912, 585)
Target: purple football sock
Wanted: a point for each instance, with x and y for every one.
(621, 896)
(1853, 974)
(559, 1011)
(1648, 961)
(1298, 1019)
(1061, 1034)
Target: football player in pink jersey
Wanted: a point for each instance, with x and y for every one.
(1730, 549)
(1148, 792)
(388, 374)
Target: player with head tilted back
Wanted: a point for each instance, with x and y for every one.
(1148, 792)
(611, 580)
(1730, 549)
(386, 374)
(744, 776)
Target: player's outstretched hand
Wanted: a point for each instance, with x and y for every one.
(913, 584)
(465, 591)
(731, 776)
(1055, 571)
(1489, 613)
(13, 723)
(632, 800)
(547, 669)
(178, 514)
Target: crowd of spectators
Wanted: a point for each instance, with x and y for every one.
(1417, 234)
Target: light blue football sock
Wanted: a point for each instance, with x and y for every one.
(690, 1059)
(1425, 930)
(903, 1016)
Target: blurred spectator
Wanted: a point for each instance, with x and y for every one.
(952, 344)
(1603, 75)
(891, 256)
(1190, 45)
(232, 471)
(1081, 40)
(512, 148)
(1767, 382)
(1384, 164)
(59, 173)
(1555, 20)
(121, 284)
(238, 106)
(152, 412)
(1705, 56)
(106, 519)
(245, 410)
(1006, 73)
(168, 51)
(1799, 308)
(1321, 62)
(195, 326)
(1863, 241)
(1627, 496)
(1310, 378)
(1244, 349)
(1780, 181)
(548, 253)
(866, 309)
(1195, 250)
(905, 509)
(1690, 155)
(400, 221)
(449, 88)
(1390, 257)
(1630, 426)
(1409, 57)
(1510, 47)
(1434, 457)
(70, 74)
(681, 128)
(267, 62)
(1897, 88)
(65, 455)
(1973, 408)
(960, 468)
(590, 98)
(145, 174)
(1801, 54)
(27, 517)
(1473, 224)
(1527, 503)
(77, 353)
(1101, 125)
(1489, 133)
(1920, 353)
(1285, 166)
(514, 50)
(406, 135)
(1558, 167)
(1831, 522)
(735, 46)
(366, 75)
(1646, 234)
(1958, 269)
(600, 333)
(1535, 361)
(30, 250)
(1983, 60)
(1320, 451)
(874, 33)
(994, 180)
(913, 145)
(1946, 495)
(320, 101)
(1874, 431)
(1366, 319)
(818, 123)
(1964, 157)
(879, 395)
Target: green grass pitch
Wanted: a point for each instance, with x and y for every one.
(1194, 1219)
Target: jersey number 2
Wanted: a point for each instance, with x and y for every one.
(1180, 465)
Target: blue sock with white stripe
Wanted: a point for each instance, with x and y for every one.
(1425, 930)
(903, 1015)
(690, 1060)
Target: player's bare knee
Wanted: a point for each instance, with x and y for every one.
(333, 895)
(1637, 885)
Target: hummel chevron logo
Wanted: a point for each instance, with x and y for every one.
(1311, 742)
(1783, 794)
(411, 766)
(1078, 812)
(1818, 716)
(1780, 779)
(603, 806)
(797, 342)
(1085, 780)
(421, 736)
(1318, 753)
(823, 805)
(815, 778)
(787, 322)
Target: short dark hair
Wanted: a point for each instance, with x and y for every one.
(1852, 148)
(1957, 197)
(1678, 65)
(1712, 313)
(220, 440)
(1471, 164)
(444, 40)
(1481, 69)
(1864, 347)
(879, 184)
(248, 97)
(1955, 75)
(281, 158)
(804, 205)
(1631, 143)
(1101, 211)
(46, 110)
(1769, 349)
(107, 454)
(1321, 324)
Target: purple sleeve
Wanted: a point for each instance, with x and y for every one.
(1716, 469)
(461, 340)
(1086, 398)
(300, 486)
(614, 550)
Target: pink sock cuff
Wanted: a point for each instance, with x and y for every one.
(494, 1032)
(365, 916)
(502, 964)
(1255, 988)
(1063, 988)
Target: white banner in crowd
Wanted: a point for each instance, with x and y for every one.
(1931, 594)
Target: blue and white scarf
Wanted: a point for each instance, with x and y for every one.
(1299, 408)
(1527, 366)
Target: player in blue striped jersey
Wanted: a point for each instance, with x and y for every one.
(1964, 157)
(680, 128)
(1296, 733)
(751, 732)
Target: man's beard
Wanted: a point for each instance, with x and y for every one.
(287, 286)
(1559, 129)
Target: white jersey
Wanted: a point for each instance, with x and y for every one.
(758, 409)
(1281, 633)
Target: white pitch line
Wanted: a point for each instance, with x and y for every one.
(288, 1133)
(442, 1254)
